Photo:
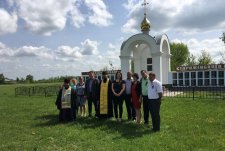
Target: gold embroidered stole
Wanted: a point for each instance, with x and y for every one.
(104, 97)
(66, 98)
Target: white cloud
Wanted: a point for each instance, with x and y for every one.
(130, 26)
(77, 18)
(8, 22)
(44, 17)
(110, 58)
(135, 10)
(43, 62)
(5, 51)
(40, 52)
(25, 51)
(183, 16)
(89, 47)
(99, 15)
(67, 53)
(11, 3)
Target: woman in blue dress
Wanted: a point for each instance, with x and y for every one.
(81, 98)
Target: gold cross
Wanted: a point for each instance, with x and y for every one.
(144, 4)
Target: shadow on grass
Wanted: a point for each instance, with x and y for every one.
(47, 120)
(127, 129)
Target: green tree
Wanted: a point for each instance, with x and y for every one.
(2, 78)
(223, 37)
(17, 79)
(205, 58)
(191, 60)
(180, 54)
(222, 53)
(29, 78)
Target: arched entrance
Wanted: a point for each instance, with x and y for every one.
(147, 53)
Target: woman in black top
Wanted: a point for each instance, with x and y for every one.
(118, 87)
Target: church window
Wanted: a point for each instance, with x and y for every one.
(221, 77)
(193, 78)
(149, 64)
(181, 76)
(186, 75)
(175, 79)
(206, 74)
(213, 77)
(200, 78)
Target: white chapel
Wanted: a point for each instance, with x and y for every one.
(146, 52)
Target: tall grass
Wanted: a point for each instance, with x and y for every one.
(31, 123)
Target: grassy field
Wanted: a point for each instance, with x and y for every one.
(30, 123)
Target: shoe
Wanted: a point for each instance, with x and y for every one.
(155, 130)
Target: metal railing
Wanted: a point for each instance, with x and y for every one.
(37, 91)
(204, 92)
(210, 92)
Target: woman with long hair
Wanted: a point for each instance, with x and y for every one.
(118, 87)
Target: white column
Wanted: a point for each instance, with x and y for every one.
(157, 65)
(125, 65)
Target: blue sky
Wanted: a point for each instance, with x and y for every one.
(65, 37)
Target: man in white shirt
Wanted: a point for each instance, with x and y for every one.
(154, 95)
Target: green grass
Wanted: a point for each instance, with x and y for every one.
(30, 123)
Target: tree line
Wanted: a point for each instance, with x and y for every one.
(30, 79)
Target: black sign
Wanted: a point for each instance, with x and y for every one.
(201, 67)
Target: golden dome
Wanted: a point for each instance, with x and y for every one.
(145, 24)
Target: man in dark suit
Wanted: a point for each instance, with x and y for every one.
(91, 91)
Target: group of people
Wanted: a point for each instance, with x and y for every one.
(108, 96)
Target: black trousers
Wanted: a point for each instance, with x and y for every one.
(92, 100)
(146, 109)
(74, 110)
(154, 106)
(65, 115)
(118, 101)
(130, 108)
